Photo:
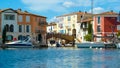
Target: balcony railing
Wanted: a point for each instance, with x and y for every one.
(43, 23)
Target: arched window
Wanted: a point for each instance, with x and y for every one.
(74, 32)
(11, 28)
(20, 28)
(7, 27)
(39, 37)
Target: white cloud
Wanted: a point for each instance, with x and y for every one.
(41, 5)
(54, 19)
(97, 10)
(54, 5)
(68, 4)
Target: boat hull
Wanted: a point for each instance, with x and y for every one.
(90, 45)
(118, 45)
(19, 45)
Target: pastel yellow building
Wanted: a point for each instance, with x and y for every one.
(70, 24)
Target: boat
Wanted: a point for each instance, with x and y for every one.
(20, 43)
(118, 45)
(90, 45)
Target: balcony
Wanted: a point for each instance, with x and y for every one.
(84, 26)
(42, 23)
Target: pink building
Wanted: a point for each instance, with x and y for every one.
(105, 26)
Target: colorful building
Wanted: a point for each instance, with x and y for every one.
(106, 26)
(20, 24)
(71, 24)
(52, 27)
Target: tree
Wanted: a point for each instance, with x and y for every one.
(89, 28)
(88, 37)
(118, 35)
(4, 35)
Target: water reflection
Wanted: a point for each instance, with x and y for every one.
(59, 58)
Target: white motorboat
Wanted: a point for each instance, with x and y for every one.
(118, 45)
(25, 43)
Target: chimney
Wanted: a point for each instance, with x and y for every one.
(79, 10)
(111, 10)
(85, 11)
(19, 9)
(26, 11)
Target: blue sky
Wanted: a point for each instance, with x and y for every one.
(52, 8)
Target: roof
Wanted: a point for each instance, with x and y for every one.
(85, 19)
(7, 9)
(74, 13)
(52, 24)
(19, 11)
(108, 13)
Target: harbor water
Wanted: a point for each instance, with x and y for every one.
(59, 58)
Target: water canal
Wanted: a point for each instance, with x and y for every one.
(59, 58)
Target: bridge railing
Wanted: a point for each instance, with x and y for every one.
(66, 37)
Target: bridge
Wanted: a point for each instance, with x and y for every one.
(67, 38)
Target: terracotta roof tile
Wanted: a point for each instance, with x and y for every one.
(108, 13)
(87, 19)
(21, 12)
(74, 13)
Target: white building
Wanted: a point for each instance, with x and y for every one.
(20, 24)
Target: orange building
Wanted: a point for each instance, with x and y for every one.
(105, 26)
(20, 24)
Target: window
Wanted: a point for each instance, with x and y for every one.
(20, 28)
(7, 27)
(118, 18)
(9, 17)
(81, 16)
(27, 18)
(9, 37)
(20, 37)
(27, 28)
(11, 28)
(60, 25)
(42, 19)
(98, 29)
(20, 19)
(69, 18)
(37, 19)
(98, 20)
(73, 25)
